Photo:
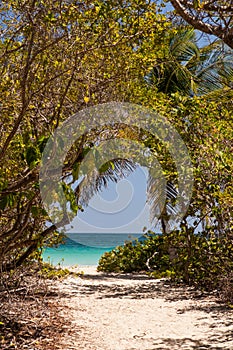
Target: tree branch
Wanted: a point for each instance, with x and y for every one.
(197, 21)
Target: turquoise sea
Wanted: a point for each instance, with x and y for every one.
(85, 248)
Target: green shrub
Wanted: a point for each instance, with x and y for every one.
(137, 256)
(49, 271)
(202, 260)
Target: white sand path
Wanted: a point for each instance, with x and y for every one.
(133, 312)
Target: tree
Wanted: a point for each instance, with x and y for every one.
(208, 132)
(206, 128)
(189, 69)
(211, 17)
(58, 57)
(203, 259)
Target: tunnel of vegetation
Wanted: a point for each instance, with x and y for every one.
(59, 58)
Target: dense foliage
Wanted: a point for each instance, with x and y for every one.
(204, 258)
(204, 261)
(58, 57)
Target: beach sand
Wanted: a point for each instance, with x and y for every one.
(132, 312)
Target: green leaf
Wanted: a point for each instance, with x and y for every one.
(35, 211)
(3, 203)
(75, 171)
(32, 156)
(104, 168)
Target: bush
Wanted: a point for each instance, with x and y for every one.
(202, 260)
(137, 256)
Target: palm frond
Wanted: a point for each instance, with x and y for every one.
(224, 95)
(160, 194)
(215, 69)
(161, 197)
(183, 45)
(96, 181)
(189, 69)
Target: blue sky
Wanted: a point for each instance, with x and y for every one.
(119, 208)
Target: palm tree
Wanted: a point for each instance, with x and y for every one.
(161, 199)
(190, 69)
(187, 69)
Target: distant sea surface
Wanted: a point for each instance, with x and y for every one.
(85, 248)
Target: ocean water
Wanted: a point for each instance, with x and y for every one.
(85, 248)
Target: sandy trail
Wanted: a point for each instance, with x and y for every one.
(132, 312)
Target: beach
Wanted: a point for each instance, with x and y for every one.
(133, 311)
